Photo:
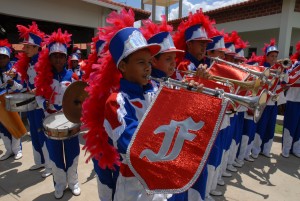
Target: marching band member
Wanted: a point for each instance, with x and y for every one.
(12, 145)
(133, 63)
(75, 67)
(92, 62)
(191, 36)
(216, 48)
(122, 103)
(25, 66)
(164, 63)
(227, 142)
(51, 82)
(266, 125)
(106, 178)
(249, 127)
(239, 46)
(291, 128)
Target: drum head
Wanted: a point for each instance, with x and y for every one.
(73, 99)
(58, 127)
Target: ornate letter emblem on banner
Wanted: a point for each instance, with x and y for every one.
(171, 144)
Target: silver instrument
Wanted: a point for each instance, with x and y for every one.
(256, 103)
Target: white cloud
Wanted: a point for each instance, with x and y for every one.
(159, 11)
(206, 6)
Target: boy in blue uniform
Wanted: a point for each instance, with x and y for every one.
(291, 131)
(51, 82)
(33, 38)
(266, 125)
(122, 103)
(11, 144)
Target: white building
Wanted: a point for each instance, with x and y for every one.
(79, 17)
(257, 21)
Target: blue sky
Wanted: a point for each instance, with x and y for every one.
(188, 5)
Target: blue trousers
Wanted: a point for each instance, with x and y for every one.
(291, 131)
(107, 180)
(11, 144)
(38, 137)
(64, 155)
(265, 129)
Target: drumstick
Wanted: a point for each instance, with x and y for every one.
(3, 84)
(52, 94)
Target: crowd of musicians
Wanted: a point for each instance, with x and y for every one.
(117, 71)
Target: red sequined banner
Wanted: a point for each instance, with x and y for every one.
(171, 145)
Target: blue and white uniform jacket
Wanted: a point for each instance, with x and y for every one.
(7, 88)
(60, 83)
(293, 94)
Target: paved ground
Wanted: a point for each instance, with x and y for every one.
(275, 179)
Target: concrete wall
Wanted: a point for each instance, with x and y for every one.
(72, 12)
(253, 24)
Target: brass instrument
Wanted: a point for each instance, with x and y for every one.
(256, 103)
(253, 86)
(285, 63)
(262, 75)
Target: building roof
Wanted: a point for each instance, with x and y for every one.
(139, 13)
(224, 14)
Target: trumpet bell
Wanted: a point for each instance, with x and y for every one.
(262, 101)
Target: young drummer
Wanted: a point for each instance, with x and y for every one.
(25, 66)
(8, 83)
(51, 82)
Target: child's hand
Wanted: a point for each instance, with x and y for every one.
(202, 72)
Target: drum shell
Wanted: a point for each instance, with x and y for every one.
(13, 99)
(11, 120)
(61, 133)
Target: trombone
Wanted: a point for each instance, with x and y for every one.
(256, 103)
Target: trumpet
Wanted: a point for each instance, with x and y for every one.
(256, 103)
(253, 86)
(262, 75)
(285, 63)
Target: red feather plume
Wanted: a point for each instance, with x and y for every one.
(296, 55)
(22, 65)
(193, 19)
(5, 43)
(150, 28)
(33, 28)
(254, 58)
(59, 37)
(87, 67)
(44, 77)
(104, 82)
(272, 43)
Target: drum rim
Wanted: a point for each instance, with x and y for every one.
(75, 129)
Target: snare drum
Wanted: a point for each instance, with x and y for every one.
(21, 102)
(58, 127)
